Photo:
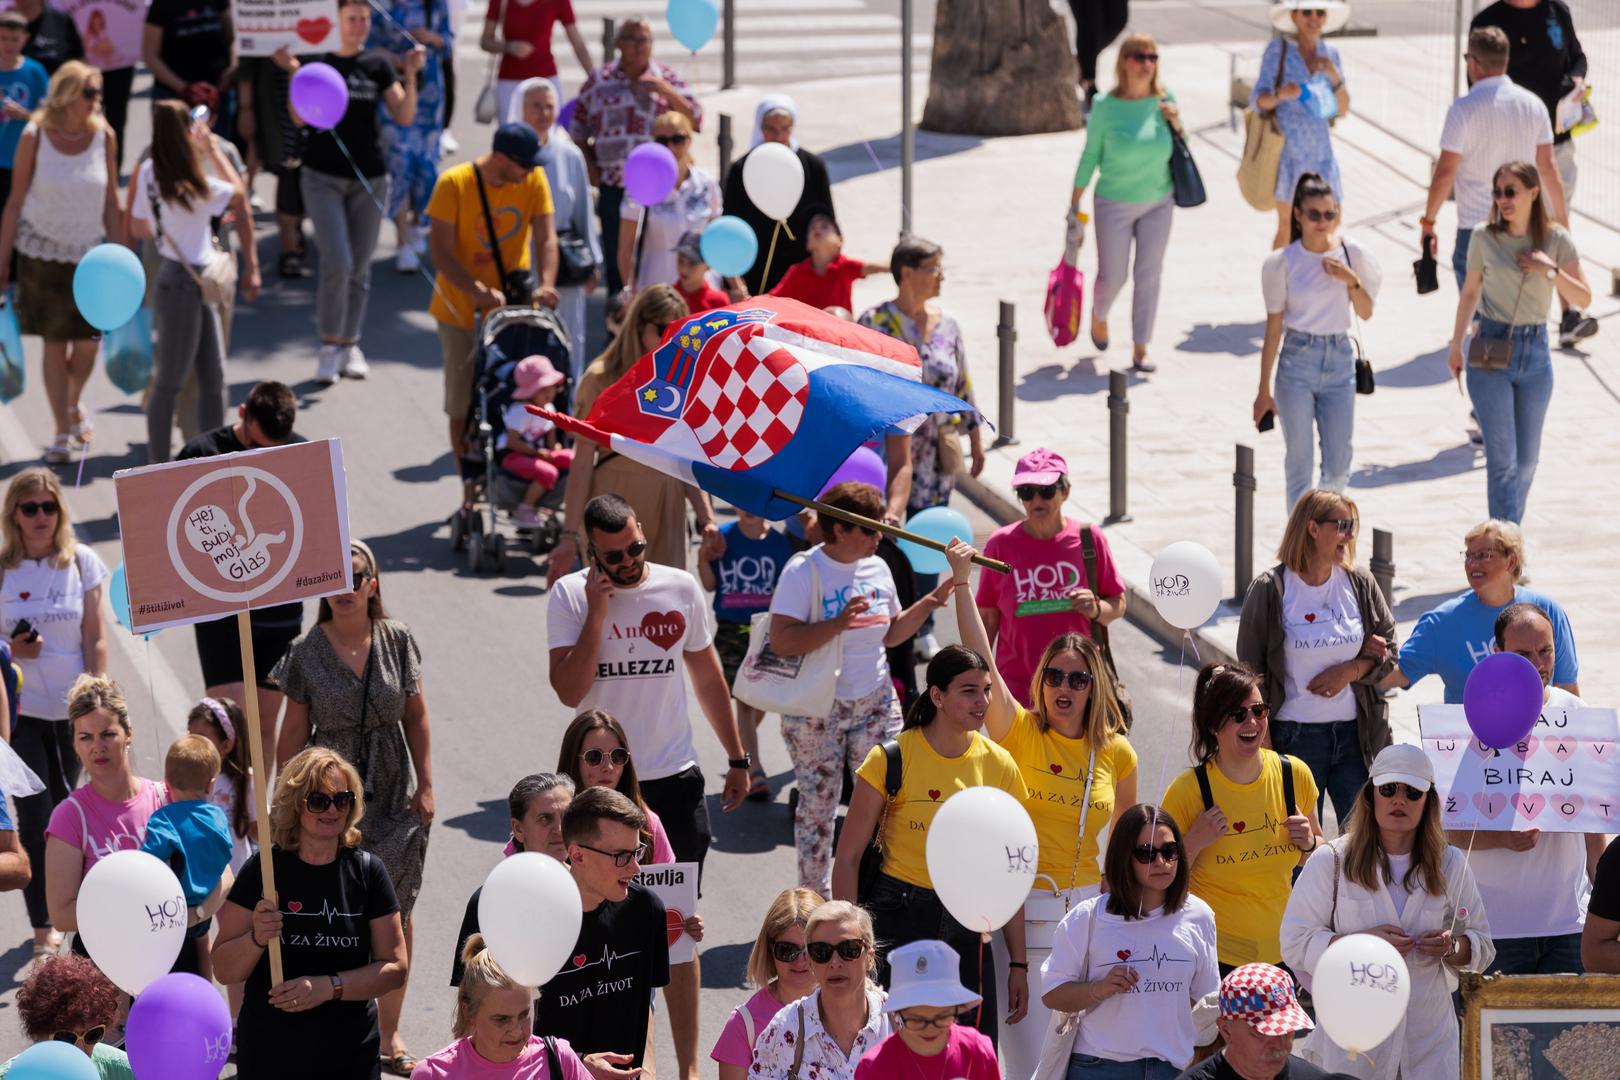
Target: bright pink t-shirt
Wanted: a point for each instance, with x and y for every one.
(968, 1055)
(112, 826)
(834, 287)
(662, 851)
(459, 1061)
(1033, 599)
(734, 1047)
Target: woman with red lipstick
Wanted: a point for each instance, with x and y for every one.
(781, 969)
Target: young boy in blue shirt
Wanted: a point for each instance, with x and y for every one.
(193, 836)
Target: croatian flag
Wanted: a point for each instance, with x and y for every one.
(766, 395)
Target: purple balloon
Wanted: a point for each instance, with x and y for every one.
(319, 94)
(179, 1029)
(1502, 699)
(863, 466)
(566, 113)
(649, 173)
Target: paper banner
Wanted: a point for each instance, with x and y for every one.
(111, 30)
(676, 884)
(1563, 777)
(303, 26)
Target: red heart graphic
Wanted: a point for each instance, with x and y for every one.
(674, 924)
(1057, 770)
(1238, 826)
(663, 628)
(1123, 954)
(1310, 616)
(933, 793)
(295, 906)
(314, 31)
(24, 595)
(579, 961)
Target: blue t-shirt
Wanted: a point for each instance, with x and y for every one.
(745, 577)
(1458, 634)
(194, 838)
(25, 86)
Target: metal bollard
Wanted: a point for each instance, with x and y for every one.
(1118, 409)
(728, 41)
(725, 144)
(1243, 486)
(609, 34)
(1007, 335)
(1382, 564)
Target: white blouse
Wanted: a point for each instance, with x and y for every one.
(1297, 288)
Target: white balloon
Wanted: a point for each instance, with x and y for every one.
(1361, 986)
(132, 916)
(529, 914)
(1186, 584)
(773, 176)
(982, 855)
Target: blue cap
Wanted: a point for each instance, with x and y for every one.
(518, 142)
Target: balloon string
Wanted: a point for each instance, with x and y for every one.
(151, 690)
(771, 254)
(1452, 927)
(1181, 672)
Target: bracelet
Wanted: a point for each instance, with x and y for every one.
(1020, 964)
(254, 937)
(1426, 221)
(960, 584)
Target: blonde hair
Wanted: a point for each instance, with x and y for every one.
(191, 764)
(1133, 44)
(653, 306)
(682, 126)
(479, 976)
(22, 485)
(1298, 550)
(792, 907)
(92, 692)
(840, 911)
(66, 88)
(1104, 719)
(302, 775)
(1507, 537)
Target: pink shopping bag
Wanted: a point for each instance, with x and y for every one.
(1065, 290)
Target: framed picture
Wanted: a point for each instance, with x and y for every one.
(1540, 1027)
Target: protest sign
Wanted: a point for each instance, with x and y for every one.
(1563, 777)
(110, 29)
(676, 884)
(303, 26)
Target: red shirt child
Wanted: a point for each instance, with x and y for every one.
(692, 280)
(832, 282)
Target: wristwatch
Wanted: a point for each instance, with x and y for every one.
(744, 762)
(1552, 274)
(337, 987)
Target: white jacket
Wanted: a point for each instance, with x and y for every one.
(1425, 1045)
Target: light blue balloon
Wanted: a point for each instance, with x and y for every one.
(52, 1061)
(936, 523)
(729, 246)
(118, 593)
(693, 22)
(108, 286)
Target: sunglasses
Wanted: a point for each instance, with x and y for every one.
(923, 1023)
(1259, 710)
(89, 1038)
(1505, 192)
(786, 952)
(1056, 677)
(671, 140)
(821, 952)
(621, 858)
(359, 580)
(1145, 853)
(1315, 13)
(1412, 794)
(32, 509)
(1027, 492)
(1145, 57)
(619, 756)
(614, 558)
(319, 802)
(1321, 215)
(1346, 526)
(91, 93)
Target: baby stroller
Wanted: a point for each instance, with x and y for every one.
(506, 336)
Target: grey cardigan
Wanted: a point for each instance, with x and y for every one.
(1260, 645)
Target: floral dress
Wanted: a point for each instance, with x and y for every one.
(1308, 146)
(412, 151)
(944, 367)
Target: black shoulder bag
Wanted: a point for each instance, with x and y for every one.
(872, 857)
(518, 286)
(1099, 632)
(1365, 383)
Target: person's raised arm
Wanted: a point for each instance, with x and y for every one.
(714, 698)
(1003, 708)
(860, 822)
(15, 872)
(400, 98)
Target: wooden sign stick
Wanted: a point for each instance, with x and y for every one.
(883, 527)
(261, 777)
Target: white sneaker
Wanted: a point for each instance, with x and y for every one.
(408, 261)
(327, 361)
(449, 145)
(927, 647)
(419, 244)
(354, 362)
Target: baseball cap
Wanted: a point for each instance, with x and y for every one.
(518, 142)
(691, 245)
(1041, 466)
(1262, 996)
(1403, 763)
(925, 973)
(534, 373)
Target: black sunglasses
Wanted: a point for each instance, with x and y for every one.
(32, 509)
(1145, 853)
(89, 1038)
(1026, 492)
(1259, 710)
(1145, 57)
(621, 858)
(670, 140)
(1320, 13)
(1321, 215)
(923, 1023)
(614, 558)
(91, 93)
(618, 756)
(358, 581)
(1504, 193)
(1346, 526)
(867, 529)
(319, 802)
(1056, 677)
(786, 952)
(821, 952)
(1413, 794)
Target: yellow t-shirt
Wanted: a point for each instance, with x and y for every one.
(512, 206)
(1247, 874)
(926, 781)
(1054, 771)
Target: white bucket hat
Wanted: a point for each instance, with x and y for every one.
(1338, 13)
(925, 973)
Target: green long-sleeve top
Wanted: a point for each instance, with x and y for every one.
(1128, 144)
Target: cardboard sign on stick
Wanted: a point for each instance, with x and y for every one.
(676, 884)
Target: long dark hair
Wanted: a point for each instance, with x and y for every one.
(1124, 892)
(176, 166)
(943, 669)
(1220, 689)
(573, 745)
(1310, 186)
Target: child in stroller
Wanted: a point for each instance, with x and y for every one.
(527, 444)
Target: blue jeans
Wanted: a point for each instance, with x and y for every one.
(1459, 255)
(1559, 955)
(1511, 405)
(1333, 753)
(1089, 1067)
(1316, 384)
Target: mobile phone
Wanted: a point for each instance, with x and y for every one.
(25, 630)
(1268, 421)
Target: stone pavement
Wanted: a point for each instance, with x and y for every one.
(997, 206)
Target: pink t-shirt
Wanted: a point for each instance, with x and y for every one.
(112, 826)
(459, 1061)
(968, 1055)
(662, 852)
(1033, 599)
(735, 1046)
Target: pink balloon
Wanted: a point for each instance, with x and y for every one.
(649, 173)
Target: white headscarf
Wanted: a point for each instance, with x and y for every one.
(774, 103)
(514, 106)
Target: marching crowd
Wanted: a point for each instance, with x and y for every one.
(1162, 939)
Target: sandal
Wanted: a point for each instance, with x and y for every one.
(291, 265)
(82, 433)
(400, 1064)
(759, 788)
(60, 452)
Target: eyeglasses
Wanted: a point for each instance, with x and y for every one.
(32, 509)
(1145, 853)
(923, 1023)
(1346, 526)
(359, 580)
(89, 1038)
(1145, 57)
(924, 268)
(1056, 677)
(671, 140)
(821, 952)
(1259, 710)
(1509, 192)
(786, 952)
(1413, 794)
(1479, 556)
(619, 756)
(1321, 215)
(614, 558)
(319, 802)
(1027, 492)
(91, 93)
(621, 858)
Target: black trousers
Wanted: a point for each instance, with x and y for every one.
(115, 87)
(46, 746)
(608, 200)
(1096, 24)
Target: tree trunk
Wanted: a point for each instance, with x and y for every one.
(1001, 67)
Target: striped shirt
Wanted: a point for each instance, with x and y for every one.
(1494, 123)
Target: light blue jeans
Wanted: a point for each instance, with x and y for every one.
(1089, 1067)
(1511, 405)
(1316, 385)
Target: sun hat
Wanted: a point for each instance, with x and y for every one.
(925, 973)
(1262, 996)
(1338, 13)
(1402, 763)
(534, 373)
(1040, 466)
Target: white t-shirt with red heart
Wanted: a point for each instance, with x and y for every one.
(640, 669)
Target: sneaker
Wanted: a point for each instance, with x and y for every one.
(927, 648)
(525, 516)
(1575, 326)
(449, 145)
(328, 359)
(419, 244)
(407, 261)
(354, 362)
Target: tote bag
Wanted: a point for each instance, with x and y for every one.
(1066, 287)
(803, 685)
(1262, 150)
(128, 352)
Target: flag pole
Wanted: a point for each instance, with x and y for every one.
(260, 779)
(883, 527)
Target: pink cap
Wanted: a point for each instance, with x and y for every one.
(534, 373)
(1041, 466)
